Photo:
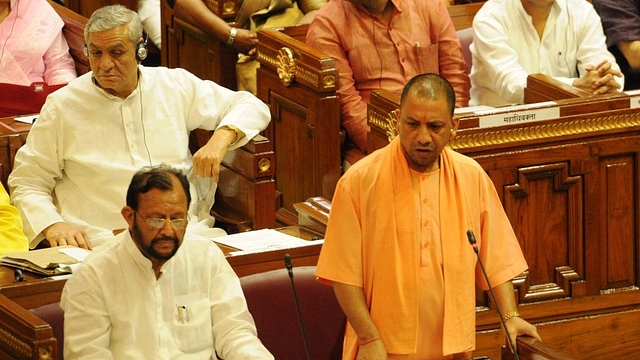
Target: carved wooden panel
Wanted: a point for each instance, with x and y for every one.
(540, 202)
(299, 86)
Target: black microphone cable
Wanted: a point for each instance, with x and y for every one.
(472, 241)
(289, 266)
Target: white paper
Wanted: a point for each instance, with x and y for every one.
(27, 119)
(261, 240)
(75, 252)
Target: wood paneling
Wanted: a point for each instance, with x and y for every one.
(299, 85)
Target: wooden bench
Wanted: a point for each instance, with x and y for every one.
(569, 186)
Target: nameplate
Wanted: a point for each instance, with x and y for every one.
(634, 98)
(518, 114)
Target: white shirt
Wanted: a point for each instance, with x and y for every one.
(149, 13)
(86, 145)
(116, 309)
(506, 48)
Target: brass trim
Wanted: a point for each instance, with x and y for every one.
(388, 123)
(228, 8)
(287, 66)
(329, 81)
(544, 131)
(307, 76)
(22, 348)
(264, 164)
(45, 352)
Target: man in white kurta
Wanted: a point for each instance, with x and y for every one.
(154, 293)
(507, 47)
(91, 137)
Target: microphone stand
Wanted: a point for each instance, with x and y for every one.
(472, 241)
(289, 266)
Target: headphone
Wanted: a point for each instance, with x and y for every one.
(141, 47)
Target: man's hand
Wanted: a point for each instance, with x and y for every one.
(207, 160)
(599, 79)
(64, 234)
(372, 351)
(245, 42)
(520, 327)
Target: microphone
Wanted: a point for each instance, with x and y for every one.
(472, 241)
(289, 266)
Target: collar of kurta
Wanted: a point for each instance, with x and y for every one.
(395, 267)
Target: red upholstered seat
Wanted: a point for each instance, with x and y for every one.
(271, 302)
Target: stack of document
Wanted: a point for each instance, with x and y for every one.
(49, 261)
(261, 240)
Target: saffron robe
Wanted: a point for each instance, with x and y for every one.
(371, 243)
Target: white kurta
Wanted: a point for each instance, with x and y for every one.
(86, 145)
(116, 309)
(506, 48)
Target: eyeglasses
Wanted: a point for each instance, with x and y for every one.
(158, 223)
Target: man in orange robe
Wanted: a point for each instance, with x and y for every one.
(396, 249)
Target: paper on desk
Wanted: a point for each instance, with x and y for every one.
(75, 252)
(261, 240)
(29, 119)
(48, 258)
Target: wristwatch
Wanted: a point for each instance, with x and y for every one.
(232, 36)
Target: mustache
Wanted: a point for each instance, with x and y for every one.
(165, 238)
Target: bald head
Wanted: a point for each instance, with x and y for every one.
(430, 87)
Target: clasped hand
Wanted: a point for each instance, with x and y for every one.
(599, 79)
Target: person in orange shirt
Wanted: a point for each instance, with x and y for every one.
(381, 44)
(396, 250)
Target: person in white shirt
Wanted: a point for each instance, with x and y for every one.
(154, 293)
(559, 38)
(70, 177)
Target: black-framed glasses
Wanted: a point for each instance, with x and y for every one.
(158, 223)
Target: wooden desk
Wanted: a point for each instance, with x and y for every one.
(258, 262)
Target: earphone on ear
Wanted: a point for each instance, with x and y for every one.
(141, 47)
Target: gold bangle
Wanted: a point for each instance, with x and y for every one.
(511, 314)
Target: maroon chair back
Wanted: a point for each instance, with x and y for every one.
(271, 301)
(54, 316)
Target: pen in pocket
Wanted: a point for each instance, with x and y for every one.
(183, 313)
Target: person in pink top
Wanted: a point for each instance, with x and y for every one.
(381, 44)
(396, 250)
(32, 46)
